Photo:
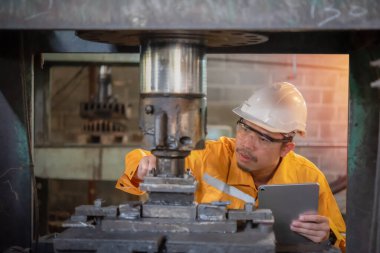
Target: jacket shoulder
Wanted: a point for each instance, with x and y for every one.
(304, 166)
(223, 143)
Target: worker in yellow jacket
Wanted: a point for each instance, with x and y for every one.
(261, 153)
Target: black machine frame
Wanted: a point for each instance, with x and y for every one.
(332, 27)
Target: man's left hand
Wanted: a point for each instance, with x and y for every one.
(313, 226)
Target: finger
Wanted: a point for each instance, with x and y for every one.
(307, 230)
(151, 163)
(313, 218)
(143, 168)
(314, 235)
(311, 225)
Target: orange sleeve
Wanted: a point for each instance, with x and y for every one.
(128, 182)
(329, 208)
(340, 239)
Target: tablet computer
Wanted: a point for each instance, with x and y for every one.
(287, 202)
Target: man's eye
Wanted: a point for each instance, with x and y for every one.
(264, 139)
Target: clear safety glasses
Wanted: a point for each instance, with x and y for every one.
(244, 129)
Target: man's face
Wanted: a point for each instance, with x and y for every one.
(255, 152)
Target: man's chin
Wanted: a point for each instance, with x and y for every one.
(244, 167)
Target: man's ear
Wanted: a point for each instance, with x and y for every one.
(286, 148)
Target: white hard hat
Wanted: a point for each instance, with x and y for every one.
(278, 108)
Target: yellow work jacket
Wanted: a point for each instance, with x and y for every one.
(218, 159)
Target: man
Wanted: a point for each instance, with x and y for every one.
(262, 153)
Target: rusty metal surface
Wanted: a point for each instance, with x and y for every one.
(91, 210)
(175, 185)
(167, 188)
(251, 241)
(88, 239)
(78, 218)
(170, 180)
(213, 38)
(268, 15)
(258, 216)
(16, 165)
(209, 212)
(79, 239)
(130, 211)
(279, 42)
(188, 212)
(169, 225)
(362, 150)
(185, 122)
(171, 198)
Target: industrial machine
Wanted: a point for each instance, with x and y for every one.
(173, 120)
(104, 116)
(32, 27)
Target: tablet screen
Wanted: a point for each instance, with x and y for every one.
(287, 202)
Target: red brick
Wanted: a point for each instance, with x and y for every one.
(334, 133)
(325, 113)
(328, 97)
(322, 79)
(311, 96)
(312, 130)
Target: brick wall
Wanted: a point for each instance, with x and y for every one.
(322, 79)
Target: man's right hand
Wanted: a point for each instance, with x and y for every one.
(147, 164)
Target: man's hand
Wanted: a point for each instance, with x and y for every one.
(313, 226)
(147, 164)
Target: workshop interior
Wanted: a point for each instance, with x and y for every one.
(83, 84)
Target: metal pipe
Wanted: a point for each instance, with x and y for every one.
(173, 66)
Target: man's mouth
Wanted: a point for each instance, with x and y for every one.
(245, 156)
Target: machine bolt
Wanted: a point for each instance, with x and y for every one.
(149, 109)
(248, 207)
(98, 202)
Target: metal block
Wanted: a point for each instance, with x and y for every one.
(166, 187)
(257, 216)
(161, 184)
(168, 225)
(166, 198)
(78, 224)
(130, 211)
(82, 218)
(169, 180)
(95, 240)
(110, 211)
(253, 241)
(212, 15)
(90, 210)
(212, 212)
(169, 211)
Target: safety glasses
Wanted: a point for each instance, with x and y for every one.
(243, 127)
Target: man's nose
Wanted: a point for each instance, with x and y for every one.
(250, 141)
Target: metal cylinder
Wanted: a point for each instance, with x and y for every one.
(173, 66)
(173, 96)
(170, 167)
(105, 84)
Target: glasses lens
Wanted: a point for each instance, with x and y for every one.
(243, 127)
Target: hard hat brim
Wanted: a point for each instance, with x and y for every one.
(256, 121)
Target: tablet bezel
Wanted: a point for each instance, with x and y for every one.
(287, 202)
